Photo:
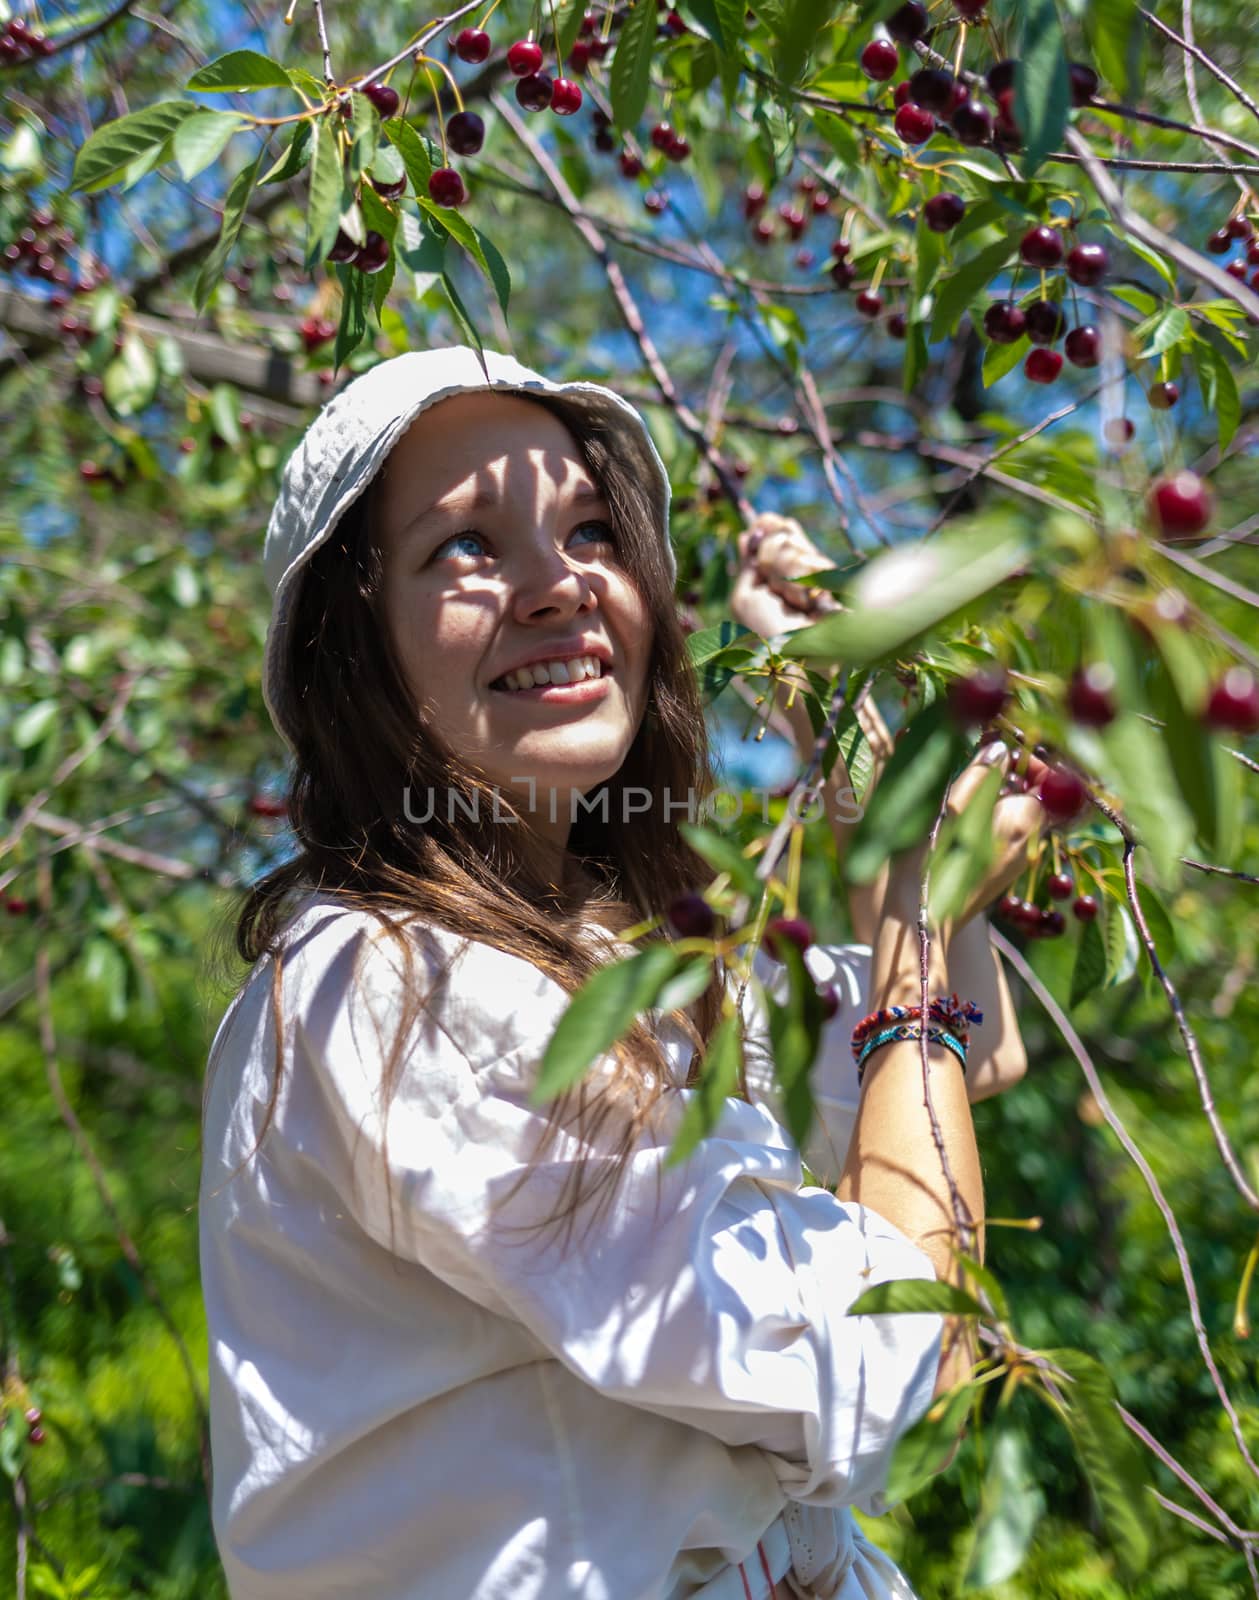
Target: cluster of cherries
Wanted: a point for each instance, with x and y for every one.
(315, 332)
(1047, 922)
(1043, 321)
(45, 249)
(933, 96)
(1239, 229)
(691, 917)
(808, 200)
(19, 42)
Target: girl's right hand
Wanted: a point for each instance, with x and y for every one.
(1018, 821)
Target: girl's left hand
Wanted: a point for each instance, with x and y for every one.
(773, 552)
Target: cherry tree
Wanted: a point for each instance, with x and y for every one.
(970, 287)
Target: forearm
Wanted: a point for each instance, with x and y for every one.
(997, 1057)
(893, 1164)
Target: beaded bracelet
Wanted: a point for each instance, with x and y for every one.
(910, 1030)
(951, 1012)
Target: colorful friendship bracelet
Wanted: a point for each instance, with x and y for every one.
(910, 1030)
(952, 1012)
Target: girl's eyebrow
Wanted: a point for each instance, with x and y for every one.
(487, 497)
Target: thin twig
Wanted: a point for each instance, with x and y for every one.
(1074, 1043)
(1212, 67)
(323, 42)
(1187, 1035)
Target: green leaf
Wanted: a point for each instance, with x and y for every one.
(707, 643)
(292, 158)
(802, 21)
(1148, 791)
(462, 316)
(110, 150)
(689, 983)
(131, 379)
(599, 1013)
(482, 251)
(352, 329)
(1163, 330)
(795, 1031)
(202, 138)
(414, 151)
(906, 590)
(1219, 389)
(1002, 358)
(909, 792)
(963, 851)
(569, 27)
(365, 123)
(1115, 35)
(631, 65)
(907, 1295)
(959, 287)
(239, 71)
(30, 726)
(327, 186)
(1042, 90)
(1108, 1454)
(422, 250)
(1089, 970)
(1122, 944)
(921, 1451)
(722, 854)
(1152, 259)
(225, 413)
(707, 1100)
(233, 216)
(1010, 1507)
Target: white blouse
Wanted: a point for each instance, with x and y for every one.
(425, 1407)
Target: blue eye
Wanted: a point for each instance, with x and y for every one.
(605, 535)
(456, 538)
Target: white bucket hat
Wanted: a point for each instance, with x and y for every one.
(346, 446)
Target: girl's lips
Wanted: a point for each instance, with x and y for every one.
(573, 694)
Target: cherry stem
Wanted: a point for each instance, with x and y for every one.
(426, 62)
(960, 51)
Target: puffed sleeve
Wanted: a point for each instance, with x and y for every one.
(833, 1080)
(713, 1292)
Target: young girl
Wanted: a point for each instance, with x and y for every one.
(465, 1346)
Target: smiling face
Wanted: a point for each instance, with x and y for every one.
(498, 549)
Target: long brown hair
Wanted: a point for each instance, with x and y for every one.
(358, 745)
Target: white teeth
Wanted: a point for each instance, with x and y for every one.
(574, 671)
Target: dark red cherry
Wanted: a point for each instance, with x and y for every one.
(1180, 505)
(472, 44)
(1041, 246)
(1233, 704)
(524, 58)
(932, 87)
(1163, 396)
(534, 91)
(691, 916)
(909, 22)
(1059, 885)
(978, 698)
(1084, 83)
(792, 930)
(1084, 346)
(465, 133)
(1085, 908)
(1045, 323)
(1042, 366)
(384, 98)
(1004, 322)
(944, 211)
(1087, 264)
(1090, 695)
(1062, 793)
(880, 59)
(972, 123)
(914, 124)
